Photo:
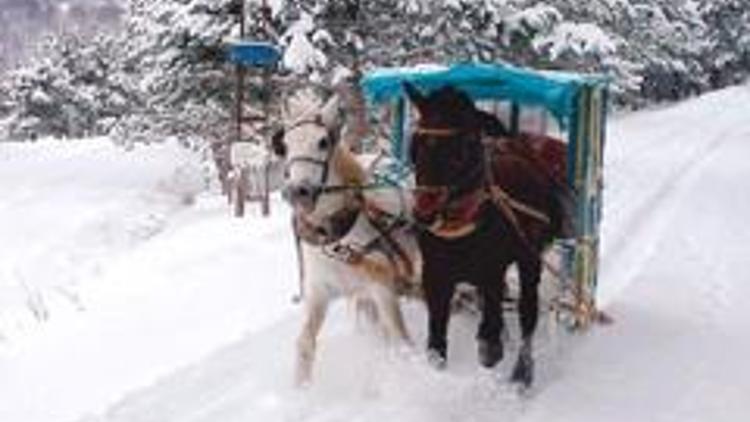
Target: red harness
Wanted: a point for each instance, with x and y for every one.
(548, 154)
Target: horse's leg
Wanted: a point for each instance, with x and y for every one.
(438, 292)
(528, 307)
(316, 306)
(490, 344)
(388, 308)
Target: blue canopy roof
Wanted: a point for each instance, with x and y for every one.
(555, 91)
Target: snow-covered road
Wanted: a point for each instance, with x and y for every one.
(189, 319)
(677, 252)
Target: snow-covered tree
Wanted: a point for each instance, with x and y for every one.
(75, 88)
(728, 36)
(165, 74)
(400, 32)
(177, 49)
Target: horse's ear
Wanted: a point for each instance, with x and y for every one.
(414, 95)
(491, 125)
(330, 114)
(277, 143)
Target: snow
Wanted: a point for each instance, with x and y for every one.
(540, 17)
(581, 38)
(301, 55)
(189, 318)
(118, 262)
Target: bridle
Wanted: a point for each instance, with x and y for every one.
(464, 187)
(312, 191)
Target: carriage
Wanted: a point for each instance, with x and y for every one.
(484, 197)
(565, 105)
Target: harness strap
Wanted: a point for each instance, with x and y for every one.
(505, 203)
(376, 216)
(333, 227)
(501, 200)
(500, 196)
(300, 263)
(399, 268)
(438, 132)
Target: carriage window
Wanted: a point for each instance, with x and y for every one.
(531, 119)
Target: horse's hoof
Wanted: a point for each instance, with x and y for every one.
(490, 353)
(302, 382)
(523, 373)
(437, 359)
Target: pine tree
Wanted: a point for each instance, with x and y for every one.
(728, 36)
(177, 50)
(73, 89)
(166, 73)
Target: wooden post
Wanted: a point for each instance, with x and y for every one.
(400, 149)
(515, 115)
(266, 200)
(240, 185)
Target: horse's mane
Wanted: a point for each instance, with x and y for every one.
(491, 125)
(459, 105)
(455, 104)
(348, 167)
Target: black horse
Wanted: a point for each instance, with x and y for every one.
(484, 208)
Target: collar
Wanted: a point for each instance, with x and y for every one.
(330, 229)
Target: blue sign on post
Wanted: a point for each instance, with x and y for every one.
(253, 53)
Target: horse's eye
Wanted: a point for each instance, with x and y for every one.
(323, 143)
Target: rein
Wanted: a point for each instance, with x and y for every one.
(398, 268)
(437, 132)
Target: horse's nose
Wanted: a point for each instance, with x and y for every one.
(427, 206)
(301, 195)
(425, 219)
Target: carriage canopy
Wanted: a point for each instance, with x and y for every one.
(577, 102)
(555, 91)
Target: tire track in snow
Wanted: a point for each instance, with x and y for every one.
(622, 258)
(71, 208)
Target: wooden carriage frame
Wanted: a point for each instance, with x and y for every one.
(579, 103)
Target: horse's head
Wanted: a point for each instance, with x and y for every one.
(447, 154)
(315, 160)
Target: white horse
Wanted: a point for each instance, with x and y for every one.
(353, 235)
